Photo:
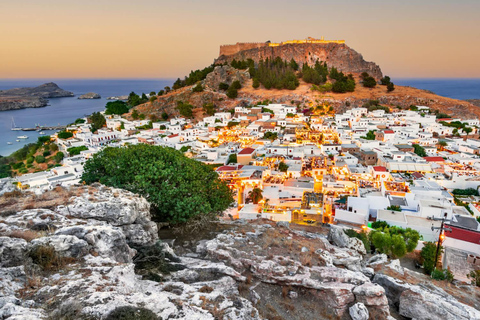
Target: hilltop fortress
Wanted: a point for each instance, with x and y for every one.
(229, 49)
(335, 52)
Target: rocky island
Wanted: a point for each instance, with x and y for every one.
(90, 95)
(36, 97)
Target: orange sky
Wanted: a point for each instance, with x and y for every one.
(166, 39)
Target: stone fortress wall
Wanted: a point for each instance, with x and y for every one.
(230, 49)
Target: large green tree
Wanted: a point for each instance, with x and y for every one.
(178, 188)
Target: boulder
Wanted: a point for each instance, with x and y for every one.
(338, 237)
(12, 252)
(6, 185)
(377, 259)
(65, 245)
(283, 224)
(423, 305)
(358, 311)
(105, 240)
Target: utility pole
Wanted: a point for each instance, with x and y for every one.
(440, 235)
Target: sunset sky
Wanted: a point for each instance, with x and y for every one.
(166, 39)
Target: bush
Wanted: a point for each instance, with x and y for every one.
(394, 208)
(232, 158)
(390, 87)
(59, 157)
(178, 188)
(73, 151)
(255, 83)
(223, 86)
(474, 275)
(444, 274)
(283, 167)
(185, 109)
(369, 82)
(65, 134)
(131, 313)
(419, 150)
(39, 159)
(46, 153)
(236, 85)
(198, 88)
(164, 116)
(53, 147)
(465, 192)
(232, 93)
(79, 120)
(428, 255)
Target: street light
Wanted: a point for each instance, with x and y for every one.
(441, 235)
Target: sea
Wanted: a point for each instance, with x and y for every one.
(62, 111)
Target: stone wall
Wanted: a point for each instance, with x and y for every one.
(230, 49)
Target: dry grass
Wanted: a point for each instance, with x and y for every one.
(16, 201)
(27, 235)
(206, 289)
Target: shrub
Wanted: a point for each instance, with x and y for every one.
(30, 159)
(282, 166)
(223, 86)
(394, 208)
(64, 135)
(198, 88)
(46, 153)
(131, 313)
(185, 109)
(164, 116)
(39, 159)
(236, 85)
(97, 121)
(428, 255)
(255, 83)
(178, 188)
(59, 157)
(232, 93)
(232, 158)
(474, 275)
(73, 151)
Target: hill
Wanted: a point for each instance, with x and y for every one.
(335, 53)
(35, 97)
(241, 61)
(304, 97)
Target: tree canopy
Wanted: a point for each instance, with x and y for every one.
(97, 121)
(178, 188)
(116, 107)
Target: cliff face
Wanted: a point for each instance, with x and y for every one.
(336, 55)
(20, 98)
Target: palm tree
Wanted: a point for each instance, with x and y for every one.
(256, 195)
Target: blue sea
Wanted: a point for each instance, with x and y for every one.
(62, 111)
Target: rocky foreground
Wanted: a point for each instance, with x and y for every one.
(94, 253)
(36, 97)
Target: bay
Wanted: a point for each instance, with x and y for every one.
(62, 111)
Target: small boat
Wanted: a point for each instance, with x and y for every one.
(22, 137)
(17, 140)
(41, 132)
(14, 127)
(9, 142)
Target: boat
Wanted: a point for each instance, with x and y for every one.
(14, 127)
(9, 142)
(17, 140)
(41, 132)
(22, 137)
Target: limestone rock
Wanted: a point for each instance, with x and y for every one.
(339, 238)
(283, 224)
(90, 95)
(377, 259)
(225, 74)
(66, 245)
(12, 251)
(358, 311)
(6, 185)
